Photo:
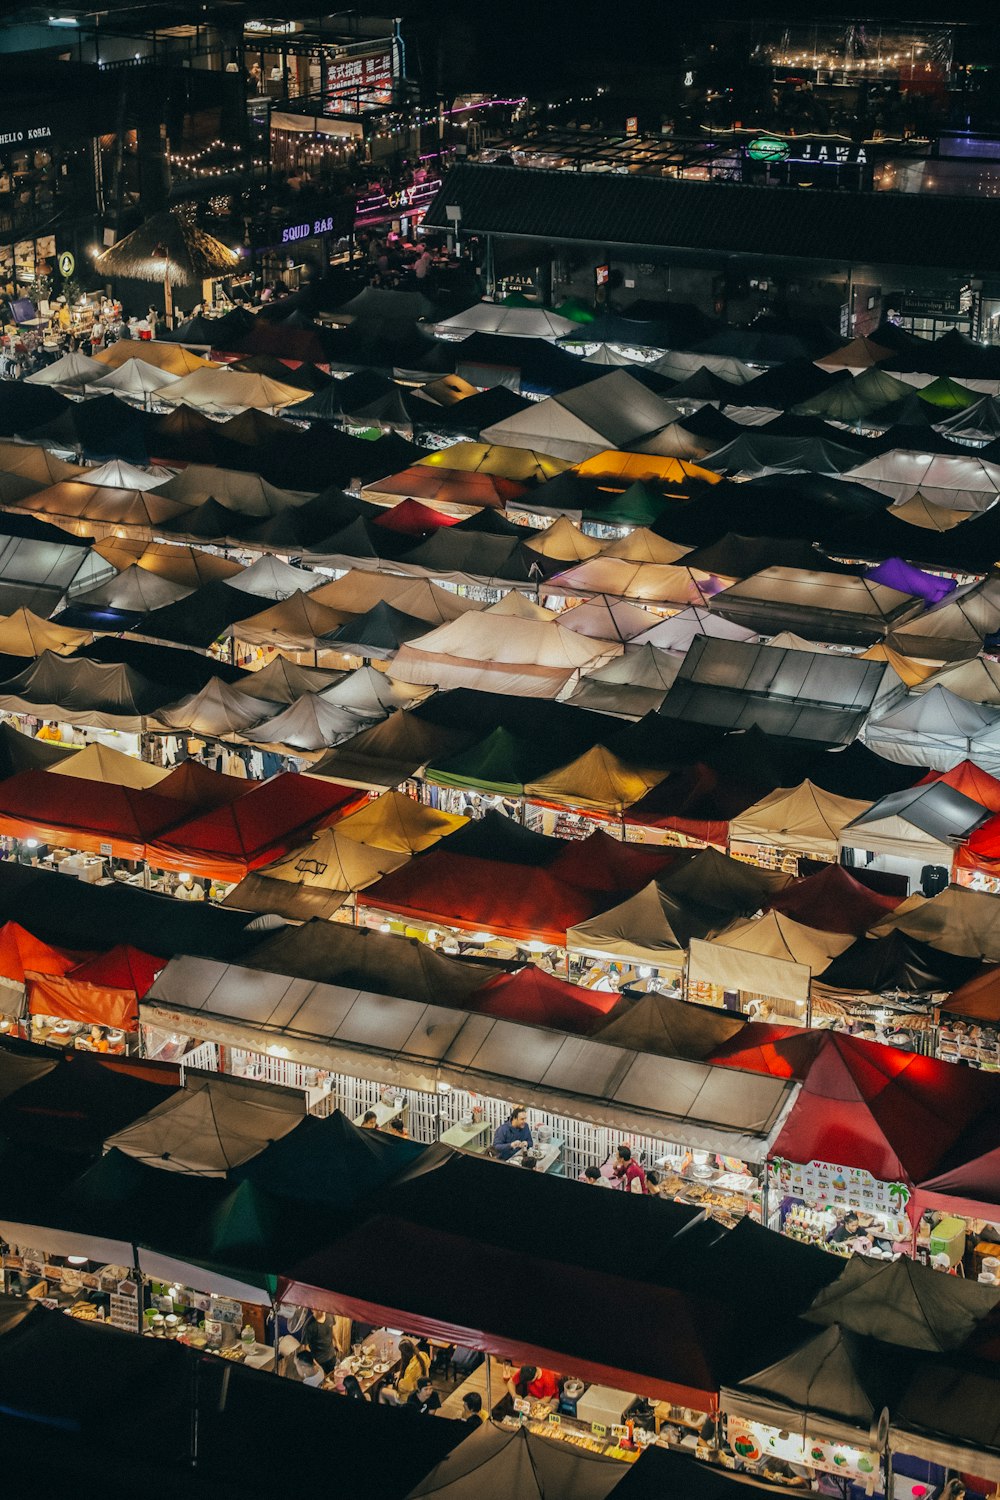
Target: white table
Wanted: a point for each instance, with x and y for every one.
(467, 1137)
(550, 1155)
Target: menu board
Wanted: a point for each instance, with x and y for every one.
(840, 1187)
(753, 1441)
(124, 1311)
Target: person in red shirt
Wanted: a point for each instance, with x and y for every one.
(630, 1175)
(539, 1385)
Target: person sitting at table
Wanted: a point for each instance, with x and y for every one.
(849, 1229)
(398, 1128)
(473, 1415)
(537, 1384)
(780, 1472)
(630, 1175)
(318, 1335)
(413, 1366)
(513, 1135)
(425, 1398)
(370, 1121)
(594, 1177)
(306, 1368)
(352, 1389)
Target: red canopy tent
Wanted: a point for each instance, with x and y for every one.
(833, 901)
(104, 990)
(97, 817)
(21, 954)
(603, 863)
(549, 1312)
(540, 999)
(274, 816)
(978, 999)
(412, 518)
(982, 851)
(972, 782)
(891, 1113)
(697, 801)
(464, 892)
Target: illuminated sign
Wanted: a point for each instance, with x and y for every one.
(19, 137)
(765, 148)
(404, 200)
(294, 232)
(602, 275)
(632, 125)
(371, 74)
(67, 264)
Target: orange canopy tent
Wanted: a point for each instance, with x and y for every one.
(102, 991)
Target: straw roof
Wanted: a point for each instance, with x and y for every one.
(166, 247)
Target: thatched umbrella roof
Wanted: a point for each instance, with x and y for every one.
(167, 249)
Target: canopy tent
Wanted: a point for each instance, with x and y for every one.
(936, 729)
(652, 583)
(561, 541)
(500, 763)
(95, 816)
(771, 955)
(946, 1416)
(909, 580)
(306, 727)
(390, 752)
(105, 510)
(499, 1462)
(271, 578)
(134, 591)
(891, 1113)
(825, 606)
(756, 452)
(210, 1126)
(959, 483)
(499, 318)
(970, 781)
(366, 1033)
(895, 965)
(99, 762)
(369, 691)
(652, 927)
(357, 592)
(607, 619)
(927, 514)
(642, 545)
(610, 412)
(728, 887)
(228, 842)
(976, 423)
(833, 901)
(630, 685)
(978, 999)
(125, 476)
(454, 492)
(925, 823)
(539, 999)
(296, 623)
(315, 880)
(217, 711)
(523, 465)
(802, 820)
(189, 566)
(859, 354)
(74, 690)
(947, 394)
(799, 694)
(953, 630)
(977, 680)
(283, 681)
(134, 379)
(69, 370)
(671, 1027)
(834, 1387)
(223, 390)
(911, 673)
(397, 823)
(203, 616)
(245, 491)
(104, 990)
(500, 653)
(597, 780)
(959, 920)
(378, 634)
(676, 633)
(25, 634)
(903, 1304)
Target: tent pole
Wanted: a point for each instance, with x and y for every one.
(168, 298)
(489, 1382)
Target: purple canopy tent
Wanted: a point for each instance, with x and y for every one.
(896, 574)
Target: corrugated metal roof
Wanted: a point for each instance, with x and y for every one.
(595, 208)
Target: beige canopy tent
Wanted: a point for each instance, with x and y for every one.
(953, 630)
(564, 542)
(31, 461)
(802, 820)
(977, 680)
(103, 510)
(189, 566)
(316, 879)
(307, 727)
(357, 592)
(395, 822)
(237, 489)
(950, 480)
(859, 354)
(960, 921)
(173, 358)
(653, 583)
(523, 465)
(644, 546)
(596, 781)
(610, 412)
(605, 619)
(222, 390)
(366, 690)
(630, 685)
(26, 634)
(100, 763)
(297, 623)
(217, 711)
(836, 607)
(500, 653)
(919, 511)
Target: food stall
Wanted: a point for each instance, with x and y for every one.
(818, 1203)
